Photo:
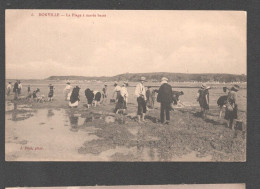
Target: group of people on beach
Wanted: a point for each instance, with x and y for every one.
(17, 88)
(145, 98)
(226, 102)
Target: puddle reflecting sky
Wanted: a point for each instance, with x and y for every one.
(64, 135)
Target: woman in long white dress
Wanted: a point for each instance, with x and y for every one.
(67, 91)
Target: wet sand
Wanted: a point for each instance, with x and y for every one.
(53, 132)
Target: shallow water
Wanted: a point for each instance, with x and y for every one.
(58, 135)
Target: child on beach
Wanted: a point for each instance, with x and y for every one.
(51, 93)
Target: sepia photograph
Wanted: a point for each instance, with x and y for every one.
(126, 85)
(183, 186)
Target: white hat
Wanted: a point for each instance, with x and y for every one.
(164, 79)
(143, 79)
(204, 86)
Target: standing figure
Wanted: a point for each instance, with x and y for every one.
(67, 91)
(15, 90)
(231, 106)
(8, 88)
(140, 93)
(165, 97)
(19, 87)
(121, 104)
(28, 89)
(117, 89)
(74, 98)
(104, 94)
(90, 97)
(203, 99)
(149, 97)
(124, 93)
(51, 93)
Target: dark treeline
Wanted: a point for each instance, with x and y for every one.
(177, 77)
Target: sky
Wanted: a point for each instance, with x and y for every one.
(123, 41)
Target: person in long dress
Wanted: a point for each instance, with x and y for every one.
(203, 99)
(90, 97)
(97, 98)
(140, 93)
(231, 106)
(74, 98)
(67, 91)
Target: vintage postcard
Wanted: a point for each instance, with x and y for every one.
(126, 85)
(183, 186)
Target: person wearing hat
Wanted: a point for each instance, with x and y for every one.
(203, 99)
(165, 97)
(8, 88)
(51, 92)
(67, 91)
(116, 92)
(121, 104)
(74, 98)
(231, 106)
(140, 93)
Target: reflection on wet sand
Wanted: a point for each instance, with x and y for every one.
(14, 113)
(101, 137)
(73, 123)
(50, 113)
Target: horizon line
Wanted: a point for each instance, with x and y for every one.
(125, 73)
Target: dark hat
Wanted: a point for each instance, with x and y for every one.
(235, 88)
(77, 87)
(68, 83)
